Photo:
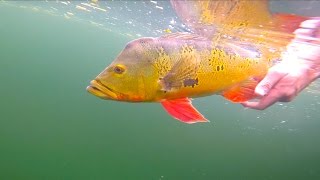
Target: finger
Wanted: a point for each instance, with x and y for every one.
(263, 103)
(306, 35)
(310, 23)
(301, 31)
(274, 75)
(251, 105)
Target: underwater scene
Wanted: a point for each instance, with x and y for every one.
(51, 127)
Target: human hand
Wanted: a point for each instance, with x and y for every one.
(300, 66)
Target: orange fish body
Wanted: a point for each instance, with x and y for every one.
(179, 66)
(189, 66)
(173, 68)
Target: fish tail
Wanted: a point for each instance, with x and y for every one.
(287, 22)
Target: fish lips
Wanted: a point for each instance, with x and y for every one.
(97, 88)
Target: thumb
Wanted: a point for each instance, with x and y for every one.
(274, 75)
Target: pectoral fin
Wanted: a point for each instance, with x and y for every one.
(241, 92)
(182, 110)
(183, 73)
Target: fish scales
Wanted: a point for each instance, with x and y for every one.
(214, 67)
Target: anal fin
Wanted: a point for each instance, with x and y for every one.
(182, 110)
(242, 92)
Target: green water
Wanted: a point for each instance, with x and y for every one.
(51, 128)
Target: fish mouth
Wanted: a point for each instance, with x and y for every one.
(99, 89)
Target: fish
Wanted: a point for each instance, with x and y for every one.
(175, 68)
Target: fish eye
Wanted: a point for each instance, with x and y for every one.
(119, 69)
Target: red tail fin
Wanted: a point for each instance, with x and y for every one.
(287, 22)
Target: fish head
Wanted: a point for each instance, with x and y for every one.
(130, 77)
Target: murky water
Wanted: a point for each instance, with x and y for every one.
(51, 128)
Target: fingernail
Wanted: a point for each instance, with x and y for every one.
(262, 91)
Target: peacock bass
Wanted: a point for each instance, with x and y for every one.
(176, 67)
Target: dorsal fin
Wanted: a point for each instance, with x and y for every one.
(198, 15)
(239, 48)
(184, 36)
